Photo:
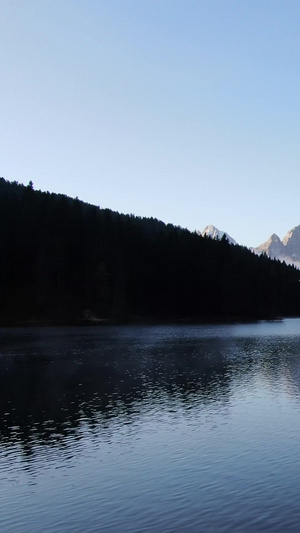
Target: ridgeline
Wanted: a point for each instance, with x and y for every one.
(65, 261)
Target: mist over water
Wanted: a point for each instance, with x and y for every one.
(162, 428)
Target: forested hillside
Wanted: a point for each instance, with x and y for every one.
(64, 260)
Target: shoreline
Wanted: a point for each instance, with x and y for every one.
(139, 321)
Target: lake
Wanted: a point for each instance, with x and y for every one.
(150, 428)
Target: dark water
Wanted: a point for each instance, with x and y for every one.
(148, 429)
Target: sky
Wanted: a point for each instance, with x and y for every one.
(183, 110)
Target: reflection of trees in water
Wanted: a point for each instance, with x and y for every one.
(273, 358)
(51, 387)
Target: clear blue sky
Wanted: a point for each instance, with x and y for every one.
(184, 110)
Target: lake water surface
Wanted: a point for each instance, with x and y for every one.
(148, 429)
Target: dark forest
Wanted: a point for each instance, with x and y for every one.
(65, 261)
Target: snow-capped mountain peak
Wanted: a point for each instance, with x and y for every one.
(214, 233)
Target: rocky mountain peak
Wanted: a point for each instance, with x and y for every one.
(293, 234)
(274, 238)
(273, 247)
(287, 250)
(215, 233)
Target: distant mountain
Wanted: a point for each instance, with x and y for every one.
(287, 250)
(215, 233)
(273, 247)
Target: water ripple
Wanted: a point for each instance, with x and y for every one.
(150, 428)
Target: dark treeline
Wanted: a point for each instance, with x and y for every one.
(65, 260)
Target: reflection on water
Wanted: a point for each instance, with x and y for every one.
(150, 428)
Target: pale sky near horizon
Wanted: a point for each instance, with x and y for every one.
(184, 110)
